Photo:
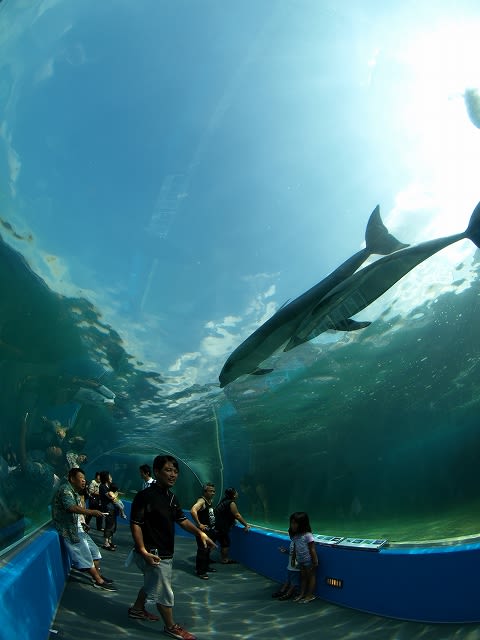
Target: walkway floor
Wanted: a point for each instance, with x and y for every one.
(234, 604)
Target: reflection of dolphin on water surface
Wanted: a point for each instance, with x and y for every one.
(331, 306)
(362, 288)
(284, 324)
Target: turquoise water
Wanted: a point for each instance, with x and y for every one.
(170, 176)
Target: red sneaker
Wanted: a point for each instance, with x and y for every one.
(177, 632)
(142, 615)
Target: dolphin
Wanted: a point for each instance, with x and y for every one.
(286, 322)
(363, 287)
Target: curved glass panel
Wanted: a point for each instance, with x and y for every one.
(172, 176)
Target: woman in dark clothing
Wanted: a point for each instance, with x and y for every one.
(94, 500)
(226, 515)
(107, 506)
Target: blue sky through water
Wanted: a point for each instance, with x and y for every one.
(192, 166)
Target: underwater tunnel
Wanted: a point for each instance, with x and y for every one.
(190, 265)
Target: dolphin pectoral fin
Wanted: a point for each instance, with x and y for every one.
(345, 325)
(261, 372)
(351, 325)
(377, 238)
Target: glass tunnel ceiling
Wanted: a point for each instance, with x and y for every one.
(172, 173)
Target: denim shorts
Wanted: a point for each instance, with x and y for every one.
(83, 553)
(157, 580)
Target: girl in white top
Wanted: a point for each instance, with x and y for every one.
(305, 554)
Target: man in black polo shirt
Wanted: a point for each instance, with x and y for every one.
(152, 522)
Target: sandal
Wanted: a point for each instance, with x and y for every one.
(202, 576)
(109, 547)
(308, 599)
(285, 596)
(229, 561)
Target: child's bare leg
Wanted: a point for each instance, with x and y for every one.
(303, 584)
(311, 583)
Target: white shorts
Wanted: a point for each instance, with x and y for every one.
(83, 553)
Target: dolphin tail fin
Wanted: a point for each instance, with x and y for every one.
(473, 229)
(377, 238)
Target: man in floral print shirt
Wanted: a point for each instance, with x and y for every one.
(68, 515)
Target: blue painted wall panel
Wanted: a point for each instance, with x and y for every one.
(32, 583)
(429, 584)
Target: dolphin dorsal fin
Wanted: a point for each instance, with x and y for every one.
(377, 237)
